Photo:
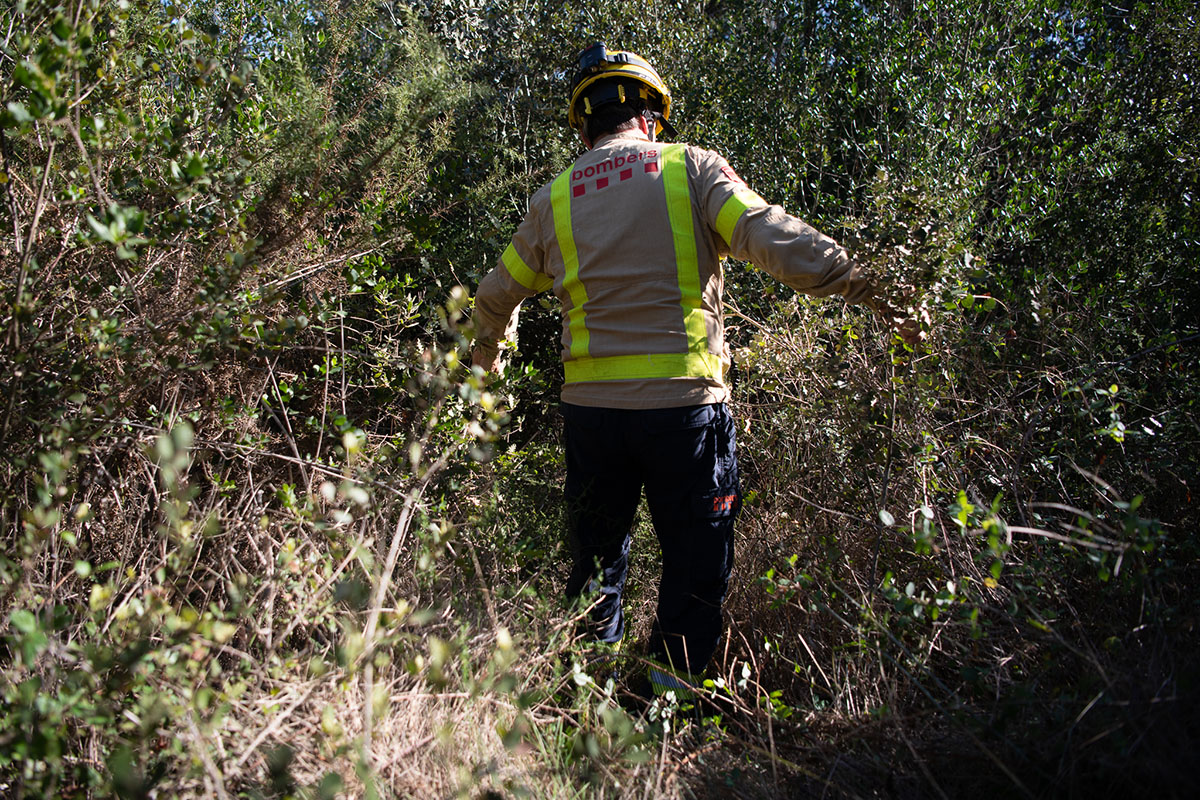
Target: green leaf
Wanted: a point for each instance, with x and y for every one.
(32, 644)
(61, 28)
(23, 620)
(19, 113)
(195, 166)
(102, 230)
(330, 786)
(23, 75)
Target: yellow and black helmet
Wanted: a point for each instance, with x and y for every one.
(604, 77)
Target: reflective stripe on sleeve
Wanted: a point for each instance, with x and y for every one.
(727, 219)
(522, 274)
(560, 204)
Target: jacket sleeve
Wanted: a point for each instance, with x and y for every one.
(520, 273)
(786, 247)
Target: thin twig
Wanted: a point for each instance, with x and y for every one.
(1107, 545)
(1150, 350)
(218, 781)
(887, 477)
(385, 579)
(274, 725)
(821, 508)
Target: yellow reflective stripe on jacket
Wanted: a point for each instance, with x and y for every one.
(731, 212)
(654, 365)
(683, 232)
(522, 274)
(697, 361)
(560, 205)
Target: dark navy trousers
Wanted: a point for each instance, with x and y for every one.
(686, 460)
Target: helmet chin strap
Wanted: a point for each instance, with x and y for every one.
(667, 127)
(648, 120)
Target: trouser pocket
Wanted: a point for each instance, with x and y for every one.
(721, 498)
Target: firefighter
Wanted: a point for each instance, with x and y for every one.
(630, 238)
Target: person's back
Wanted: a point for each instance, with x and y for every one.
(630, 238)
(637, 271)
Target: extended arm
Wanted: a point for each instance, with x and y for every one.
(518, 275)
(787, 248)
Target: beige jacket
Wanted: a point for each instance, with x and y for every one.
(623, 262)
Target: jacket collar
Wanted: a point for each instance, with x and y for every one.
(611, 138)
